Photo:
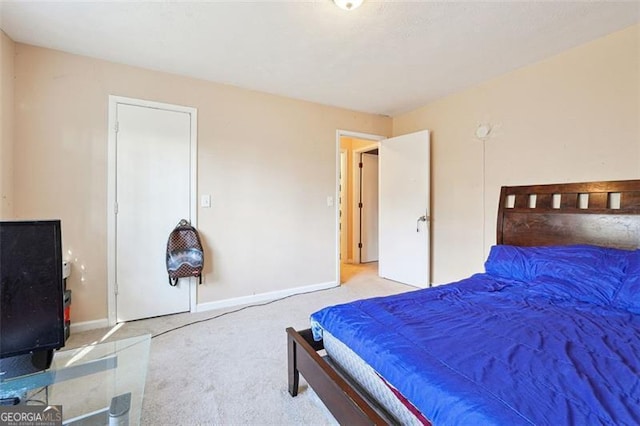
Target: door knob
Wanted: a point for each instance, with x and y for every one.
(422, 218)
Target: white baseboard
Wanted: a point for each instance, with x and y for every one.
(220, 304)
(89, 325)
(263, 297)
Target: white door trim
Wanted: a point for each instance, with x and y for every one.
(355, 135)
(111, 190)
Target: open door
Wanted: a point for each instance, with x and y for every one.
(368, 207)
(403, 216)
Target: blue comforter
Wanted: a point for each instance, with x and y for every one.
(495, 349)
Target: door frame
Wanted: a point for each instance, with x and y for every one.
(356, 135)
(111, 190)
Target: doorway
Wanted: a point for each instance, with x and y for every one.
(151, 167)
(403, 205)
(342, 203)
(350, 147)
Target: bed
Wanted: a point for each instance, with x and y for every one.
(548, 334)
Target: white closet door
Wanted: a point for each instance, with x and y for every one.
(152, 193)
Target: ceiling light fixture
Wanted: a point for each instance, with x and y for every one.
(348, 4)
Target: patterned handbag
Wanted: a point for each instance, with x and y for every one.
(185, 257)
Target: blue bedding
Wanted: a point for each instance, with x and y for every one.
(528, 342)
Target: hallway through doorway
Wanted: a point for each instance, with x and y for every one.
(357, 271)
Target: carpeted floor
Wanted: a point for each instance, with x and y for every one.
(232, 370)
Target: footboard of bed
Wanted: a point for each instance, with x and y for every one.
(346, 403)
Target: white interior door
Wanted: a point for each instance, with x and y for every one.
(152, 194)
(404, 209)
(369, 208)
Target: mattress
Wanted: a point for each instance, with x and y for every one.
(497, 350)
(365, 376)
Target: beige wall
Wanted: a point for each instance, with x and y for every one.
(268, 162)
(573, 117)
(7, 50)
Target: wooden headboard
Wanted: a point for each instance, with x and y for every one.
(599, 213)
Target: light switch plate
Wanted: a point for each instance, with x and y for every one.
(205, 200)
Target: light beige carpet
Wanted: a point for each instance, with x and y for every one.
(232, 370)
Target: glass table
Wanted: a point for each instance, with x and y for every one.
(98, 384)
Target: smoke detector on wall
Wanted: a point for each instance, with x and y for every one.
(348, 4)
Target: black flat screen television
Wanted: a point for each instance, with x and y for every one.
(31, 288)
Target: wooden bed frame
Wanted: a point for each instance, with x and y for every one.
(598, 213)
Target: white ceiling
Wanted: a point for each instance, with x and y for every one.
(386, 57)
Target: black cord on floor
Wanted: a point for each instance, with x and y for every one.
(234, 311)
(39, 401)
